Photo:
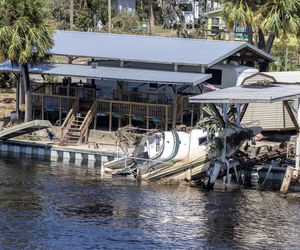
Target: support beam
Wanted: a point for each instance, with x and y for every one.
(297, 158)
(214, 175)
(224, 151)
(70, 60)
(174, 107)
(218, 115)
(174, 101)
(244, 109)
(286, 180)
(238, 114)
(292, 116)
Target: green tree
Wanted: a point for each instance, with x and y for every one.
(279, 18)
(241, 12)
(24, 37)
(271, 18)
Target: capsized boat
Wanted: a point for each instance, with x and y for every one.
(174, 156)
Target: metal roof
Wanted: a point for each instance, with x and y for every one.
(112, 73)
(285, 77)
(250, 94)
(288, 76)
(153, 49)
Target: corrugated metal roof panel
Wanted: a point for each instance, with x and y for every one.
(152, 49)
(281, 77)
(288, 76)
(250, 94)
(125, 74)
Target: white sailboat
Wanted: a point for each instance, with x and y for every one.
(174, 156)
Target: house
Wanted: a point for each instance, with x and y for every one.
(143, 81)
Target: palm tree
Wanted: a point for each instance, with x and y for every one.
(24, 37)
(276, 18)
(279, 18)
(241, 12)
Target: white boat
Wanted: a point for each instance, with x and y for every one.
(174, 156)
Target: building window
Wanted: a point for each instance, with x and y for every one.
(215, 25)
(215, 21)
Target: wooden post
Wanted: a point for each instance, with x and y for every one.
(167, 116)
(95, 121)
(42, 107)
(70, 59)
(147, 117)
(60, 111)
(297, 158)
(223, 157)
(218, 115)
(192, 116)
(110, 116)
(291, 114)
(86, 136)
(283, 118)
(238, 114)
(130, 113)
(119, 121)
(214, 175)
(174, 107)
(286, 180)
(244, 109)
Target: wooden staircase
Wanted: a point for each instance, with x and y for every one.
(73, 132)
(75, 129)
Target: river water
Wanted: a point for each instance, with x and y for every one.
(47, 205)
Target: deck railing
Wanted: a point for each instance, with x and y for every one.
(52, 103)
(161, 114)
(83, 93)
(147, 97)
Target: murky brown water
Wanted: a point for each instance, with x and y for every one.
(55, 206)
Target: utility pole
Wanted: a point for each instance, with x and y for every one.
(71, 14)
(109, 16)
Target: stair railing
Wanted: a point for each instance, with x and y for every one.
(84, 128)
(68, 121)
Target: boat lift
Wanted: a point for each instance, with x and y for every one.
(241, 96)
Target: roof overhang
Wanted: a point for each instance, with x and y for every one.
(150, 49)
(111, 73)
(250, 94)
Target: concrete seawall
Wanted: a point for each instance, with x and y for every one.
(92, 157)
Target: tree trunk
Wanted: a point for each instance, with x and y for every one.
(261, 39)
(180, 14)
(71, 14)
(270, 42)
(151, 17)
(249, 31)
(264, 66)
(28, 104)
(18, 83)
(286, 57)
(22, 91)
